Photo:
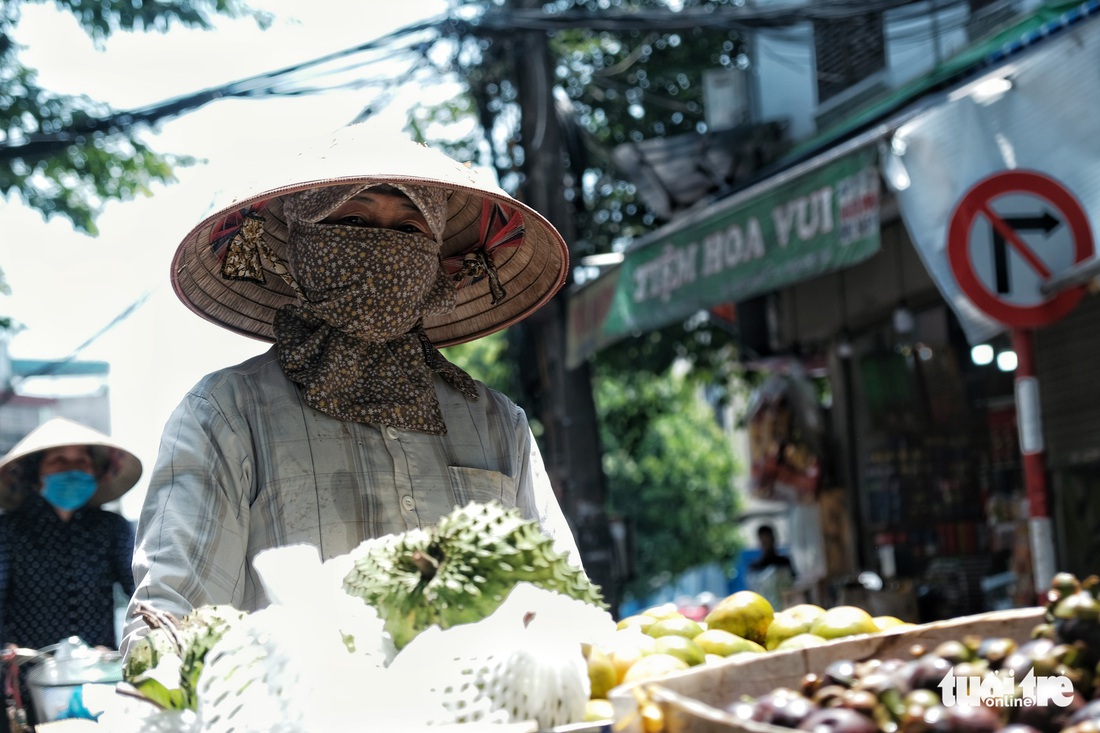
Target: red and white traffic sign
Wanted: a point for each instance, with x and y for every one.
(1010, 233)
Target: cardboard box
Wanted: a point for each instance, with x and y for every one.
(692, 700)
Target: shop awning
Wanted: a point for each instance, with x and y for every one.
(818, 214)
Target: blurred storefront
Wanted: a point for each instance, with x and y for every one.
(839, 268)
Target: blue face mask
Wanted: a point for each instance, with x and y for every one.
(68, 490)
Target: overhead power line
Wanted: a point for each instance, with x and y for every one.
(273, 83)
(290, 80)
(57, 365)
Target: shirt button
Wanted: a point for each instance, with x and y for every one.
(392, 432)
(408, 503)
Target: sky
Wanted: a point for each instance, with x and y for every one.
(67, 286)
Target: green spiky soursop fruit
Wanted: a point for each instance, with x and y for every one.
(461, 570)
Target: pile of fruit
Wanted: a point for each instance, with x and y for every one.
(478, 619)
(661, 640)
(1049, 683)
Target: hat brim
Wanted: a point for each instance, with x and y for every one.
(530, 273)
(118, 469)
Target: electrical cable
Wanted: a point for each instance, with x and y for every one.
(502, 21)
(41, 145)
(56, 365)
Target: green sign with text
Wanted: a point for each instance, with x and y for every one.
(823, 220)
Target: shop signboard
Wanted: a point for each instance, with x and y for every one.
(811, 221)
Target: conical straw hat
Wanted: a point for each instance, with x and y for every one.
(117, 469)
(530, 273)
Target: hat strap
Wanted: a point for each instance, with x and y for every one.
(501, 226)
(476, 266)
(246, 251)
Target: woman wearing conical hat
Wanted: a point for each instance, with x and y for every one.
(61, 553)
(358, 260)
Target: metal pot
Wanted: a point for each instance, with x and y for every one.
(56, 683)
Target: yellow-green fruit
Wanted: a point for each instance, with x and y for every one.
(791, 622)
(637, 621)
(681, 626)
(601, 673)
(654, 665)
(724, 644)
(665, 610)
(1080, 605)
(678, 646)
(841, 621)
(806, 611)
(888, 622)
(626, 648)
(744, 613)
(597, 710)
(801, 641)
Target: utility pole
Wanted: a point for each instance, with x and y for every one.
(563, 396)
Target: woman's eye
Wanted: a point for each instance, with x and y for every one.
(411, 229)
(353, 220)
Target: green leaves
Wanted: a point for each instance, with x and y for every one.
(105, 17)
(67, 155)
(158, 694)
(76, 181)
(165, 664)
(669, 472)
(485, 359)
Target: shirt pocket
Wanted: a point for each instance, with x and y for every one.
(477, 484)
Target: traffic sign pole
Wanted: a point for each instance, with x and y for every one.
(984, 223)
(1032, 451)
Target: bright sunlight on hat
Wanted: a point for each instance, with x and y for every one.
(505, 258)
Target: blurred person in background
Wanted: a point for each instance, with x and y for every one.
(769, 554)
(771, 573)
(61, 554)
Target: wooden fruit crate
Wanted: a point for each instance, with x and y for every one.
(691, 700)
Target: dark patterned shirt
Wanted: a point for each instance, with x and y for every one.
(57, 578)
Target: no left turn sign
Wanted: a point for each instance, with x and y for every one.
(1011, 232)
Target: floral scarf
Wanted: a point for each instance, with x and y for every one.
(355, 345)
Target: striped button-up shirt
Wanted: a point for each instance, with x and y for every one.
(245, 465)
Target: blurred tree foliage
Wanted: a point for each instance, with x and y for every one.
(614, 87)
(45, 159)
(628, 87)
(669, 471)
(72, 174)
(668, 466)
(486, 359)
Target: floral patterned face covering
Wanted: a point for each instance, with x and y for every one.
(355, 345)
